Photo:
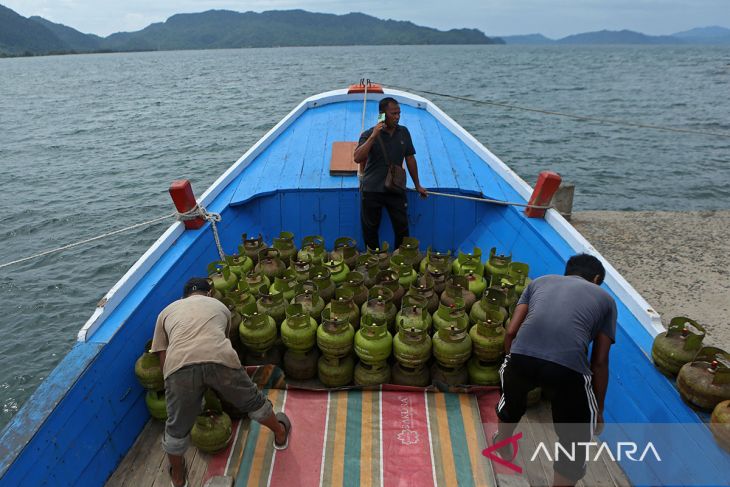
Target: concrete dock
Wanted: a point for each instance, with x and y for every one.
(678, 261)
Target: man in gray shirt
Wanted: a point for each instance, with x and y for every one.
(547, 340)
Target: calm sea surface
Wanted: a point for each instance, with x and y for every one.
(90, 143)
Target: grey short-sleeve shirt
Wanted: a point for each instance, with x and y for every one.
(564, 315)
(398, 146)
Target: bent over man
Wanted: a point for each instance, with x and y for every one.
(547, 340)
(384, 144)
(191, 338)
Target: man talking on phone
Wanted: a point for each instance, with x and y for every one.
(384, 144)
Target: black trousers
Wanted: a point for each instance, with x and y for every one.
(371, 210)
(573, 404)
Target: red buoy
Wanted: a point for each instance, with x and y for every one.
(547, 184)
(182, 195)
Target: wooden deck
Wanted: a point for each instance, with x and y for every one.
(145, 465)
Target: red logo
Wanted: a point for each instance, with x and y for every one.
(493, 454)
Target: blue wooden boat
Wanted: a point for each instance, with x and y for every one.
(87, 414)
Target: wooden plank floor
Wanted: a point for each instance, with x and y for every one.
(145, 465)
(536, 427)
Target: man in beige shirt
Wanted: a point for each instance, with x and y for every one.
(191, 338)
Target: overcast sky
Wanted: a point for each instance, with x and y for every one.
(554, 18)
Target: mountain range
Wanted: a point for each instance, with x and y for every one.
(701, 35)
(220, 29)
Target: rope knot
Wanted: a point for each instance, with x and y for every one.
(199, 212)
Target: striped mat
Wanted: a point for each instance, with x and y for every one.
(369, 438)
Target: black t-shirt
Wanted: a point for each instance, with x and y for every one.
(399, 146)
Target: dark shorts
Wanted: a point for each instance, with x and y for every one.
(573, 403)
(184, 391)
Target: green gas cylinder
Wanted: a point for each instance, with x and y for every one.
(257, 329)
(371, 374)
(408, 376)
(308, 296)
(436, 260)
(705, 382)
(298, 330)
(285, 284)
(491, 306)
(322, 277)
(240, 265)
(379, 306)
(413, 314)
(156, 404)
(223, 279)
(301, 365)
(483, 373)
(452, 346)
(412, 347)
(312, 249)
(458, 286)
(678, 345)
(497, 266)
(270, 304)
(148, 370)
(270, 263)
(346, 250)
(373, 342)
(390, 279)
(355, 282)
(335, 336)
(334, 372)
(451, 315)
(466, 262)
(251, 247)
(286, 246)
(343, 306)
(488, 339)
(211, 431)
(410, 252)
(338, 270)
(381, 255)
(404, 268)
(424, 287)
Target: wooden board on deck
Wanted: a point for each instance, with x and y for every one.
(146, 465)
(536, 426)
(342, 162)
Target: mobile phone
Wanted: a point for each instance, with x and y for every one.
(381, 118)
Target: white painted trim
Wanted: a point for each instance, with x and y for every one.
(135, 273)
(644, 312)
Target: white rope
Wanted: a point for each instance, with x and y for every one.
(486, 200)
(81, 242)
(200, 212)
(197, 212)
(609, 121)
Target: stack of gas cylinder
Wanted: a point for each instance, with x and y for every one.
(343, 317)
(213, 428)
(702, 373)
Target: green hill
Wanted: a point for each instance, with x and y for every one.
(217, 29)
(72, 38)
(21, 36)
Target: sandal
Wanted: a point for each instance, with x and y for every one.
(284, 420)
(185, 474)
